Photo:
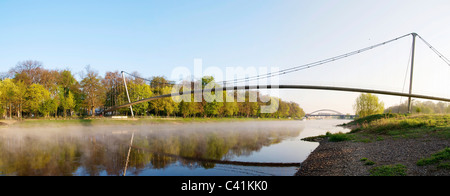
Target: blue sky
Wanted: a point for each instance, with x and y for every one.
(155, 37)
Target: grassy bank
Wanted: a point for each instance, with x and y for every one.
(384, 145)
(128, 121)
(381, 126)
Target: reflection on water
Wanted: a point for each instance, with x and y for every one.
(103, 150)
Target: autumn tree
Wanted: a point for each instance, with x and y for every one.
(28, 71)
(93, 90)
(159, 82)
(114, 89)
(283, 110)
(295, 111)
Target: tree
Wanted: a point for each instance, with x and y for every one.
(166, 105)
(283, 110)
(139, 92)
(295, 111)
(186, 107)
(368, 104)
(67, 102)
(49, 107)
(212, 101)
(159, 82)
(49, 79)
(29, 71)
(113, 85)
(93, 90)
(35, 96)
(169, 105)
(67, 81)
(9, 95)
(229, 108)
(20, 97)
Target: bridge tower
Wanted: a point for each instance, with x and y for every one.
(412, 70)
(128, 95)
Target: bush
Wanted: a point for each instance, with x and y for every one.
(438, 157)
(339, 137)
(389, 170)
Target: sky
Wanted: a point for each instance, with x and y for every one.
(156, 37)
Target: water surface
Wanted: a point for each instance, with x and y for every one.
(159, 149)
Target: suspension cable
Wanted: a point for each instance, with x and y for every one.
(314, 64)
(145, 79)
(404, 80)
(445, 59)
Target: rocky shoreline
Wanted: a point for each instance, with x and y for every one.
(344, 158)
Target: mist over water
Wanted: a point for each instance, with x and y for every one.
(102, 150)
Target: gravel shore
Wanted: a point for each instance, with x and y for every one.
(344, 158)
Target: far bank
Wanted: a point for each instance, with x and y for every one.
(105, 121)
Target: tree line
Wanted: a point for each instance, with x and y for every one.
(31, 91)
(367, 104)
(421, 107)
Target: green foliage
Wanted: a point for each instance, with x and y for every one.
(188, 108)
(419, 107)
(389, 170)
(295, 111)
(381, 126)
(403, 125)
(438, 157)
(339, 137)
(368, 104)
(38, 92)
(67, 103)
(368, 119)
(229, 108)
(138, 92)
(9, 94)
(166, 105)
(49, 107)
(367, 161)
(444, 165)
(36, 95)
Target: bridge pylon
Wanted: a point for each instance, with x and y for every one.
(414, 35)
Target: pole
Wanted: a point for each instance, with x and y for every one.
(128, 95)
(412, 71)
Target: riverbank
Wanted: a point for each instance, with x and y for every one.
(384, 145)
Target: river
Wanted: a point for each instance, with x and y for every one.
(161, 149)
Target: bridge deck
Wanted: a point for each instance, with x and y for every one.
(256, 87)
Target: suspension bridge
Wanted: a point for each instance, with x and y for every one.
(226, 84)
